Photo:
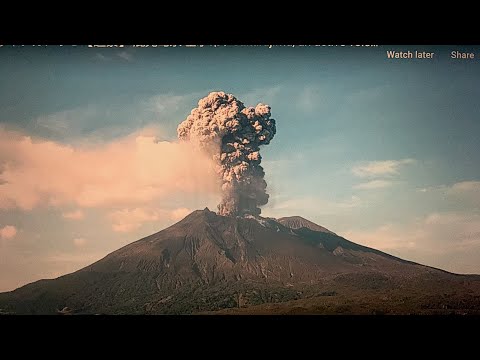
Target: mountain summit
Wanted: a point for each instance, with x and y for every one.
(207, 262)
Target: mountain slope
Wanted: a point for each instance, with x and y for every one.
(297, 222)
(208, 262)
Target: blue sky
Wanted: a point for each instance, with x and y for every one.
(383, 152)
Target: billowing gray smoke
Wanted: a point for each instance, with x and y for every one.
(232, 133)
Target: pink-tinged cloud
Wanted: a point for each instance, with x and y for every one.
(127, 172)
(74, 215)
(8, 232)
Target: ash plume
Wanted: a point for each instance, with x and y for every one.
(232, 134)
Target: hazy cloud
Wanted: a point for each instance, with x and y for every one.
(467, 192)
(34, 267)
(67, 122)
(80, 242)
(443, 240)
(101, 57)
(380, 168)
(302, 205)
(119, 118)
(127, 220)
(8, 232)
(165, 103)
(258, 95)
(180, 213)
(74, 215)
(374, 184)
(467, 186)
(125, 56)
(463, 191)
(311, 98)
(386, 237)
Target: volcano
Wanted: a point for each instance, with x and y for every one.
(207, 263)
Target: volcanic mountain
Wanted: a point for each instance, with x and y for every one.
(208, 263)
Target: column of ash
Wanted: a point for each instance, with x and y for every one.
(232, 134)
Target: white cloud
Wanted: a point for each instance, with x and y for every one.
(8, 232)
(374, 184)
(74, 215)
(380, 168)
(80, 242)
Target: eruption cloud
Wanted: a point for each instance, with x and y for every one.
(232, 134)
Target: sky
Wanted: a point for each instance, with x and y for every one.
(383, 152)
